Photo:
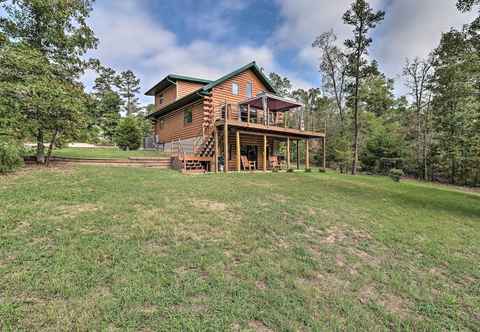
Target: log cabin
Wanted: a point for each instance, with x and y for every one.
(234, 123)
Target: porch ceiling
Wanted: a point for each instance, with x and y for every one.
(273, 102)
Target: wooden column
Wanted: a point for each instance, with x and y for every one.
(264, 153)
(307, 155)
(324, 153)
(248, 113)
(215, 133)
(238, 151)
(288, 152)
(225, 142)
(298, 154)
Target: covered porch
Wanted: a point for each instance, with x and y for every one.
(255, 135)
(253, 150)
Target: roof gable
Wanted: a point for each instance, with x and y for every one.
(172, 79)
(253, 66)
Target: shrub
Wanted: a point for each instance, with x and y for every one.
(290, 170)
(396, 174)
(128, 135)
(308, 170)
(322, 170)
(11, 156)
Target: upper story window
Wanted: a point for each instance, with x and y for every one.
(160, 99)
(235, 89)
(187, 116)
(249, 90)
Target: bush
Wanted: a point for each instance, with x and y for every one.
(128, 135)
(11, 156)
(322, 170)
(290, 170)
(396, 174)
(308, 170)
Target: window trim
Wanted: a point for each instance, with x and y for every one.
(238, 89)
(161, 98)
(249, 83)
(190, 110)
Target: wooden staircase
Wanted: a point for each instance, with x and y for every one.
(201, 160)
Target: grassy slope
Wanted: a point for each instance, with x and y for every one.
(109, 153)
(97, 248)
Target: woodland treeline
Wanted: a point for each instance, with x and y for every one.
(43, 47)
(432, 133)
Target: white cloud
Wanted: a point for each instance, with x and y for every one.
(411, 28)
(131, 39)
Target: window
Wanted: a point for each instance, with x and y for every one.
(187, 116)
(235, 89)
(249, 90)
(160, 99)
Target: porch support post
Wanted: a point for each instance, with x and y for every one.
(307, 154)
(248, 113)
(225, 142)
(264, 153)
(264, 104)
(288, 152)
(298, 154)
(324, 153)
(215, 132)
(238, 150)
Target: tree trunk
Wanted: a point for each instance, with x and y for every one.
(40, 148)
(355, 121)
(51, 147)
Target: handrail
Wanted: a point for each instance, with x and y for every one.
(301, 120)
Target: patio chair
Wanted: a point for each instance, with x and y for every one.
(274, 163)
(247, 164)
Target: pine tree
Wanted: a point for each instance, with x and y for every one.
(129, 87)
(363, 19)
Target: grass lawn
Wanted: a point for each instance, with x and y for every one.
(94, 248)
(104, 153)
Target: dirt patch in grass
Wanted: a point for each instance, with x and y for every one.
(260, 284)
(210, 205)
(72, 211)
(392, 303)
(341, 233)
(258, 326)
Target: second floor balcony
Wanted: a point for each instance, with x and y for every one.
(267, 111)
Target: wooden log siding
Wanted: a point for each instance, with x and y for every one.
(185, 88)
(223, 92)
(169, 96)
(208, 115)
(174, 127)
(245, 139)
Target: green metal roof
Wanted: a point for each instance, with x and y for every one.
(253, 66)
(167, 81)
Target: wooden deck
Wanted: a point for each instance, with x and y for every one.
(275, 130)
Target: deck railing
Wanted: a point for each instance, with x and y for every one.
(294, 119)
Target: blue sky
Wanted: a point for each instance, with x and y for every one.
(209, 38)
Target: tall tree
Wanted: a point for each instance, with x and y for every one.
(363, 19)
(129, 87)
(333, 68)
(53, 29)
(282, 85)
(105, 81)
(456, 103)
(418, 75)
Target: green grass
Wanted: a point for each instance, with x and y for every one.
(104, 153)
(91, 248)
